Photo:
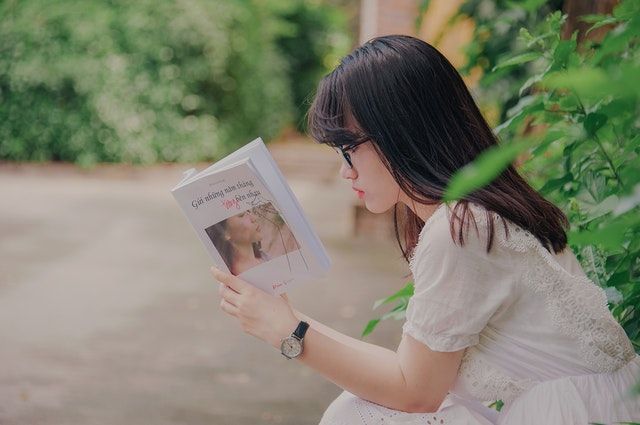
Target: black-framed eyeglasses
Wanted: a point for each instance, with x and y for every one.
(345, 151)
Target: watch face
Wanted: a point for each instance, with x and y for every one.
(291, 347)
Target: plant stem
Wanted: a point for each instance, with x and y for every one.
(597, 140)
(609, 161)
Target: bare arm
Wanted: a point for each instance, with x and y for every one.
(413, 379)
(337, 336)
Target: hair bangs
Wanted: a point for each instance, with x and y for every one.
(329, 113)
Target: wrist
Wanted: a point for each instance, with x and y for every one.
(284, 330)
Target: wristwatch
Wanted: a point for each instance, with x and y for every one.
(291, 346)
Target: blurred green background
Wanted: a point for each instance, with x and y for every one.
(157, 80)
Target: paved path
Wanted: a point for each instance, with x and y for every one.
(108, 314)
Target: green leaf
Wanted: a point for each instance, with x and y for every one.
(627, 9)
(619, 278)
(597, 83)
(487, 166)
(528, 5)
(525, 106)
(555, 184)
(617, 40)
(517, 60)
(405, 292)
(563, 52)
(593, 264)
(591, 82)
(594, 122)
(605, 205)
(629, 202)
(607, 21)
(498, 405)
(591, 19)
(397, 313)
(534, 79)
(629, 172)
(568, 103)
(554, 134)
(370, 327)
(609, 235)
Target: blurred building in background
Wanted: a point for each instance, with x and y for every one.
(436, 25)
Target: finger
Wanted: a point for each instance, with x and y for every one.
(229, 295)
(222, 286)
(228, 308)
(229, 280)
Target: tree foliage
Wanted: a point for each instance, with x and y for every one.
(147, 81)
(312, 41)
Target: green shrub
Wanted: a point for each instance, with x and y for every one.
(140, 82)
(312, 39)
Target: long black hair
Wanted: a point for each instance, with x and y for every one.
(405, 96)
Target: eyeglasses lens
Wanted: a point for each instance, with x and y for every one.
(346, 156)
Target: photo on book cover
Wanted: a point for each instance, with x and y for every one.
(252, 237)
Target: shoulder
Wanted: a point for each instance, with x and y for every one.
(447, 223)
(449, 235)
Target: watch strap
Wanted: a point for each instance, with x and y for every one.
(301, 330)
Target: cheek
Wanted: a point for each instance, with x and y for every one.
(390, 184)
(385, 182)
(384, 192)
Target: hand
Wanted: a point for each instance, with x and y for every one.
(265, 316)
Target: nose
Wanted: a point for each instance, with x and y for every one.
(346, 172)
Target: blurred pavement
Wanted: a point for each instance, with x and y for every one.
(108, 314)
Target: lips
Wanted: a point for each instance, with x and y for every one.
(359, 192)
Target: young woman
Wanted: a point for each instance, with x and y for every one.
(238, 240)
(501, 308)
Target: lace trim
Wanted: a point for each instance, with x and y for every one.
(348, 409)
(577, 306)
(578, 309)
(486, 382)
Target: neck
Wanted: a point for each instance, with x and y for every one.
(423, 211)
(244, 250)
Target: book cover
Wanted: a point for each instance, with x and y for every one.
(234, 208)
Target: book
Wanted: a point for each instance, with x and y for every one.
(250, 222)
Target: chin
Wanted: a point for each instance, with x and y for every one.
(377, 209)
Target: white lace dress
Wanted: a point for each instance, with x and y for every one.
(537, 332)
